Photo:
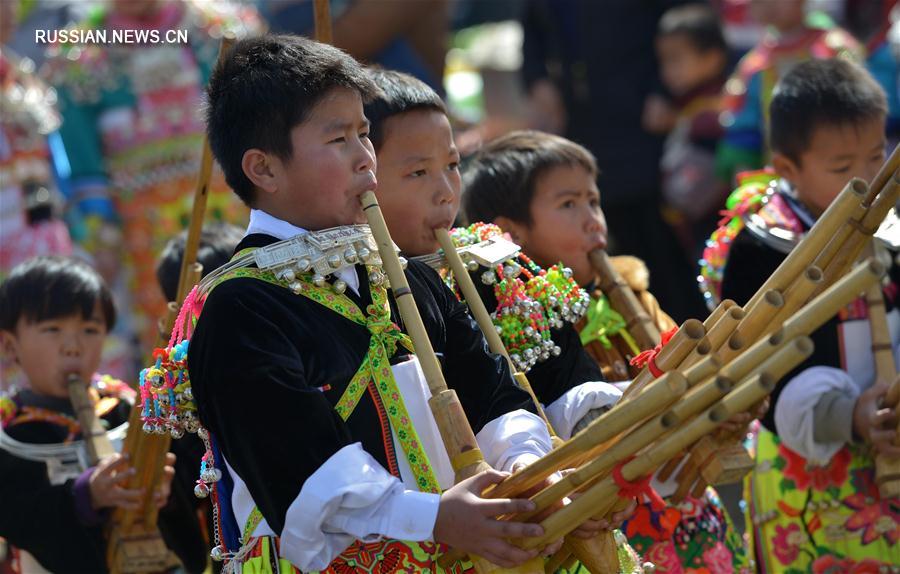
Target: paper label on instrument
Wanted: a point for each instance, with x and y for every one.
(492, 252)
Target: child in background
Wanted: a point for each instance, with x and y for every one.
(792, 37)
(813, 501)
(542, 189)
(693, 58)
(54, 315)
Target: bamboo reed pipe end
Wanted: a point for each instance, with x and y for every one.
(694, 329)
(737, 313)
(704, 347)
(774, 298)
(736, 341)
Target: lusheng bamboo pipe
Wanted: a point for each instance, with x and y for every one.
(602, 496)
(670, 357)
(752, 325)
(717, 313)
(483, 318)
(96, 443)
(782, 360)
(607, 426)
(787, 355)
(622, 299)
(806, 251)
(454, 427)
(148, 452)
(861, 230)
(322, 16)
(456, 433)
(804, 322)
(887, 470)
(891, 165)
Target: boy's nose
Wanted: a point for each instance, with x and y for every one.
(365, 160)
(445, 190)
(71, 346)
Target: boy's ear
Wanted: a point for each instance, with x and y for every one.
(258, 167)
(10, 345)
(785, 167)
(517, 231)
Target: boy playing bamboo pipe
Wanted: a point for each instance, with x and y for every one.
(541, 188)
(54, 315)
(326, 469)
(419, 191)
(814, 476)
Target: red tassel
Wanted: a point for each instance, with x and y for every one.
(637, 488)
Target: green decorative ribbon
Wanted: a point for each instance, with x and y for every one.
(603, 322)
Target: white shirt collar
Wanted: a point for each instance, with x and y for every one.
(265, 223)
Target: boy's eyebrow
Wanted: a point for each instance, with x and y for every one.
(343, 125)
(410, 159)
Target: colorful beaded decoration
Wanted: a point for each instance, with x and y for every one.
(530, 300)
(747, 198)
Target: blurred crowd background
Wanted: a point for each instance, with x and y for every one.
(101, 143)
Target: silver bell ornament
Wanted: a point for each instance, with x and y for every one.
(217, 553)
(201, 490)
(340, 286)
(334, 261)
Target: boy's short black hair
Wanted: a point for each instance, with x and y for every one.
(52, 287)
(217, 243)
(400, 93)
(500, 179)
(263, 88)
(698, 23)
(820, 93)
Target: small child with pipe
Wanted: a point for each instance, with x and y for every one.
(812, 497)
(54, 315)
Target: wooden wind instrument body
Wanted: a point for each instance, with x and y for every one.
(456, 432)
(623, 300)
(96, 443)
(135, 544)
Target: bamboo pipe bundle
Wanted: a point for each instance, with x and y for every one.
(802, 323)
(609, 425)
(601, 496)
(622, 299)
(783, 360)
(806, 251)
(483, 318)
(669, 357)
